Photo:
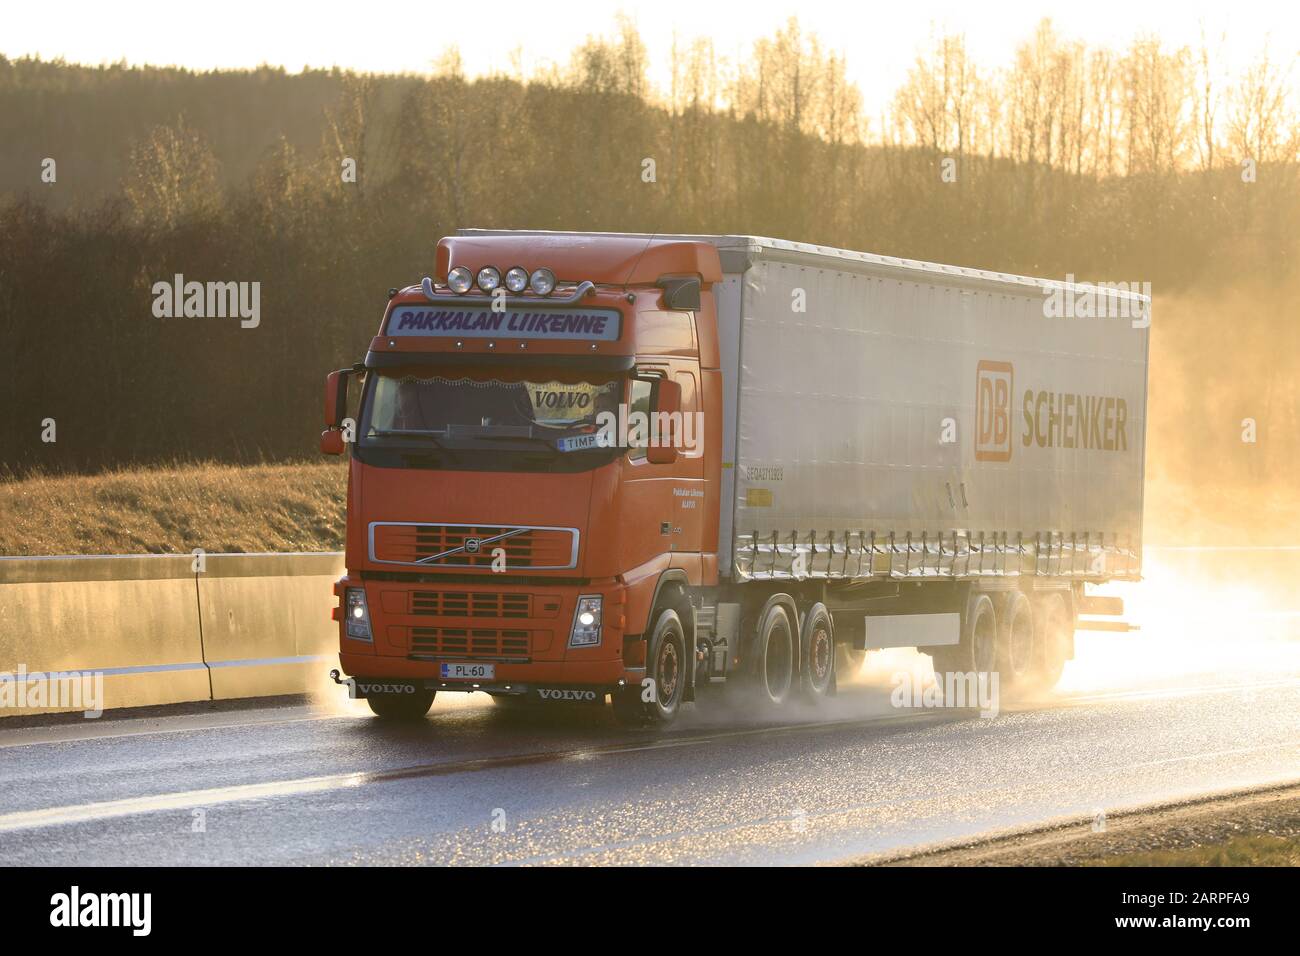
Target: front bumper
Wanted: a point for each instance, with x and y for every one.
(522, 630)
(361, 686)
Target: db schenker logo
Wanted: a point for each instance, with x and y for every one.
(993, 383)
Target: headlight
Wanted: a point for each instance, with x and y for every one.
(586, 622)
(517, 279)
(488, 278)
(459, 280)
(357, 615)
(542, 281)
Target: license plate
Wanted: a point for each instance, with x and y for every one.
(469, 671)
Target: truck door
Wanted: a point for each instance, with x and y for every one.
(664, 505)
(689, 506)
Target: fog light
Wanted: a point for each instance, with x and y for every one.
(459, 280)
(586, 622)
(358, 617)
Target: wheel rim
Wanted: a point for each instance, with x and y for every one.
(668, 668)
(776, 662)
(821, 653)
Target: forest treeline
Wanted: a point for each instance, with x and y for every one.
(1145, 164)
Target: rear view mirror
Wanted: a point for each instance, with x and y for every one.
(336, 397)
(667, 405)
(331, 441)
(336, 410)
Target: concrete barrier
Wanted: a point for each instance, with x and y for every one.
(132, 618)
(156, 632)
(266, 622)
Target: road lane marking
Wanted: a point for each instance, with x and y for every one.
(131, 806)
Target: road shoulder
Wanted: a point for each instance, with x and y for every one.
(1253, 827)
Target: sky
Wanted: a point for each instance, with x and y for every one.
(878, 39)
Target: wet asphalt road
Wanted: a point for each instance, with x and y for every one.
(475, 783)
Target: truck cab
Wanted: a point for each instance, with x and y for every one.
(534, 466)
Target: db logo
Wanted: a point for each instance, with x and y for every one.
(993, 411)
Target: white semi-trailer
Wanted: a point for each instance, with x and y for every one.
(890, 454)
(947, 455)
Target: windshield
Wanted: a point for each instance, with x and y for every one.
(463, 416)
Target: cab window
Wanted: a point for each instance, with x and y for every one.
(639, 401)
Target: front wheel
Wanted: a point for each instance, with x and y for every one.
(401, 707)
(659, 698)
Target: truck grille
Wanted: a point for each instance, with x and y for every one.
(470, 604)
(469, 642)
(472, 546)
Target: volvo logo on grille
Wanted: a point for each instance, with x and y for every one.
(471, 545)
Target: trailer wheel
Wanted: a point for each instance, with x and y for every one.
(1016, 651)
(774, 656)
(977, 652)
(666, 667)
(817, 653)
(979, 640)
(1052, 632)
(403, 707)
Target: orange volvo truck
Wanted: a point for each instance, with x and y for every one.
(591, 465)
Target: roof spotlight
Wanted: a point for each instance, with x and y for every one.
(542, 281)
(459, 280)
(489, 278)
(517, 279)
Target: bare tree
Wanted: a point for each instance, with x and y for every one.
(172, 177)
(1261, 122)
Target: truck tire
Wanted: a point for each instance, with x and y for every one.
(1053, 628)
(774, 649)
(402, 707)
(817, 654)
(978, 649)
(665, 665)
(1017, 658)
